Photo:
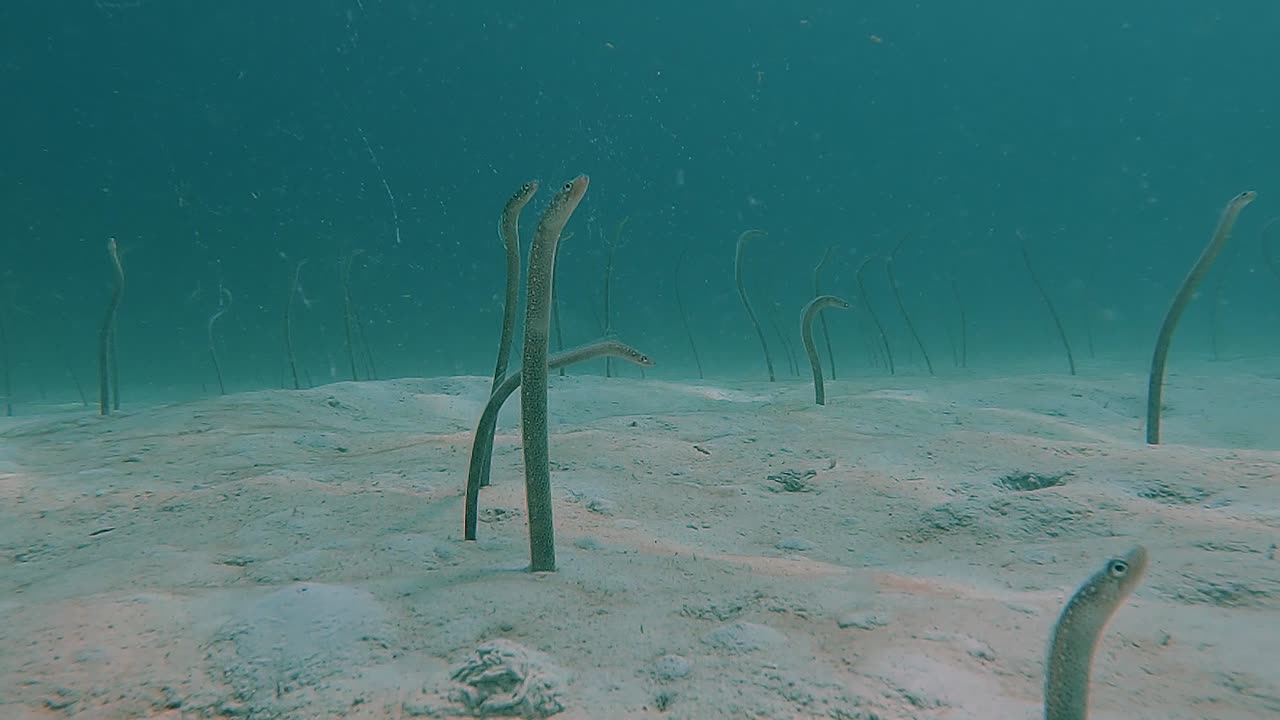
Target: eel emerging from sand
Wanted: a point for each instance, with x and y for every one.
(1155, 381)
(810, 311)
(742, 295)
(509, 233)
(533, 372)
(482, 443)
(875, 319)
(1075, 636)
(106, 336)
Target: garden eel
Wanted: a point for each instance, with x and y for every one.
(1048, 302)
(742, 293)
(482, 444)
(288, 323)
(509, 234)
(213, 351)
(513, 285)
(344, 275)
(351, 319)
(533, 372)
(862, 295)
(684, 315)
(897, 296)
(4, 366)
(964, 337)
(1075, 636)
(608, 289)
(108, 332)
(1267, 258)
(1155, 382)
(355, 318)
(814, 307)
(792, 366)
(822, 319)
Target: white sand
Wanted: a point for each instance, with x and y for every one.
(297, 554)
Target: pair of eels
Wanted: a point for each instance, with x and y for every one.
(482, 444)
(534, 367)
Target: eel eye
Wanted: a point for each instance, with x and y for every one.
(568, 186)
(1119, 568)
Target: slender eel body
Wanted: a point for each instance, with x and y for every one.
(811, 309)
(533, 373)
(742, 294)
(288, 323)
(684, 316)
(822, 319)
(344, 270)
(108, 331)
(509, 234)
(964, 325)
(1264, 240)
(115, 372)
(358, 323)
(792, 366)
(875, 319)
(1048, 302)
(902, 308)
(482, 443)
(1075, 636)
(555, 324)
(213, 349)
(608, 289)
(4, 367)
(1155, 382)
(353, 326)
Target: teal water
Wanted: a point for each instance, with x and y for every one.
(221, 143)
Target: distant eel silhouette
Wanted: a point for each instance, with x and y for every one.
(810, 311)
(742, 295)
(509, 234)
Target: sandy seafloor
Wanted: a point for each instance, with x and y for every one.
(726, 550)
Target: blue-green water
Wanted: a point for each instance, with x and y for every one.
(222, 142)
